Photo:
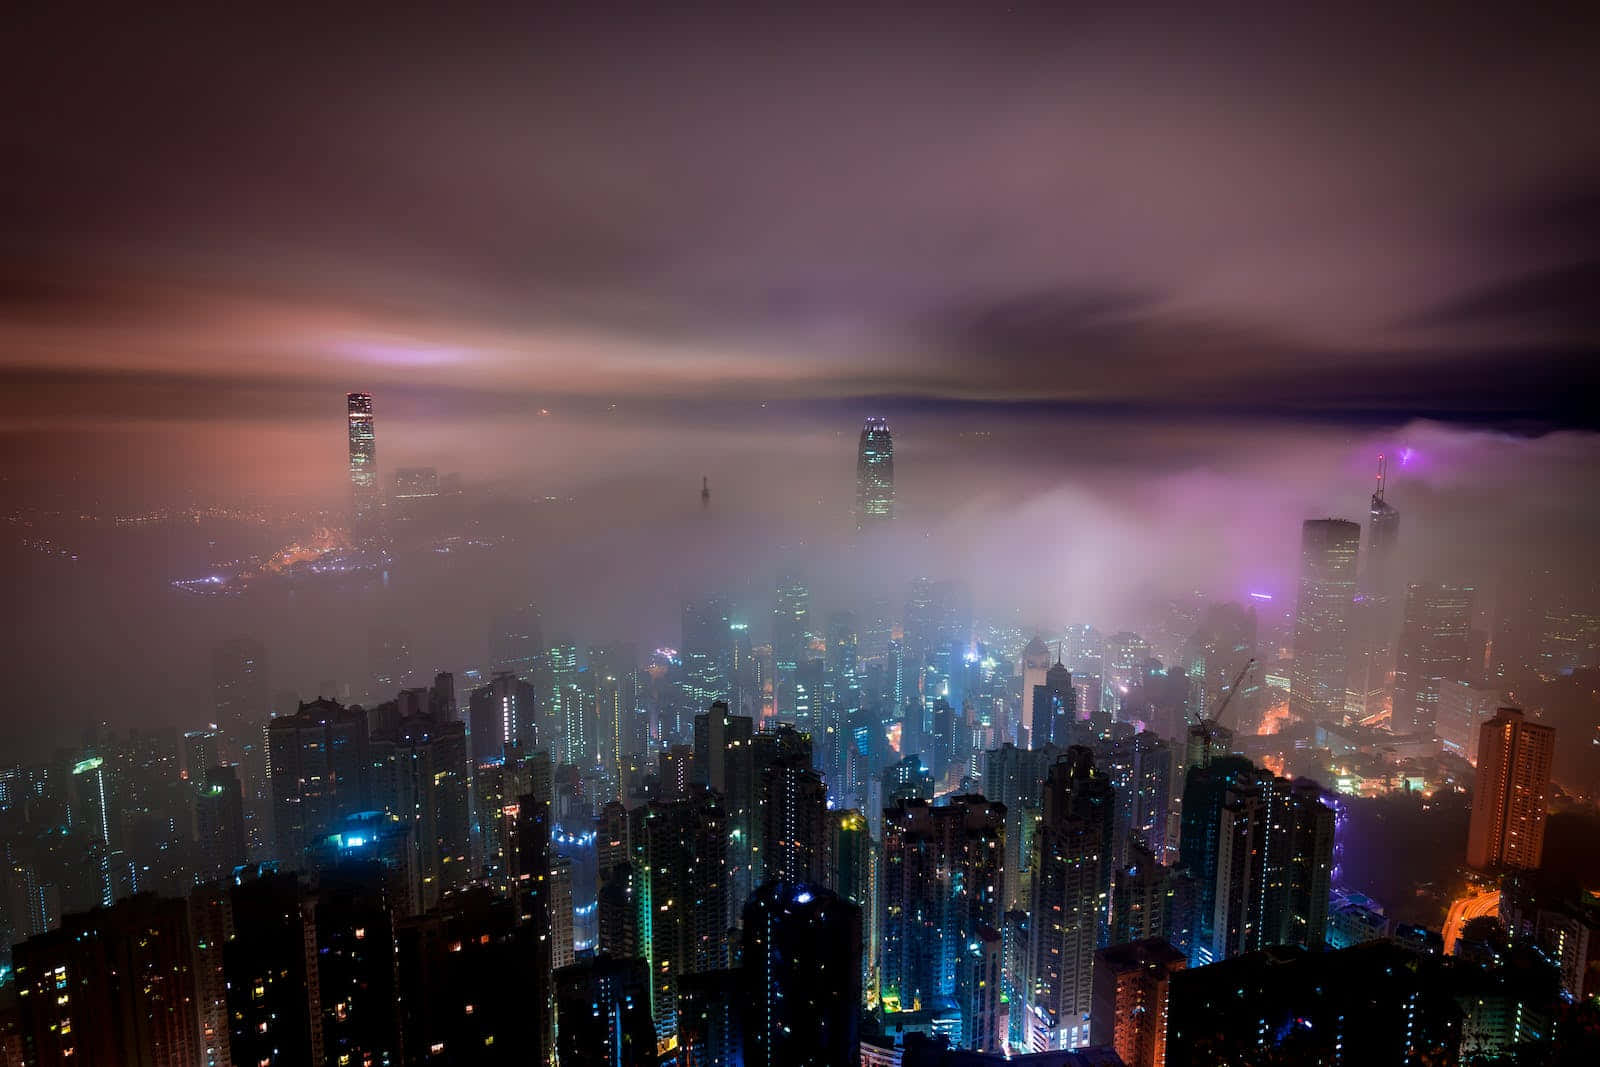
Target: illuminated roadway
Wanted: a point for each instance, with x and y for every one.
(1463, 910)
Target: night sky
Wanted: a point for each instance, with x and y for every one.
(1365, 213)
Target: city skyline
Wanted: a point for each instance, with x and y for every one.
(801, 535)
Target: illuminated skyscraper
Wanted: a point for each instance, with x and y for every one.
(1140, 769)
(504, 712)
(1212, 656)
(1014, 777)
(1322, 619)
(794, 837)
(1130, 1000)
(1274, 864)
(1512, 792)
(1067, 909)
(684, 849)
(791, 638)
(706, 651)
(363, 455)
(874, 475)
(943, 877)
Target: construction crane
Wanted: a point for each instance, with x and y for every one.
(1206, 728)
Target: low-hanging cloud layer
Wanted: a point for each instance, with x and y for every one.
(1374, 214)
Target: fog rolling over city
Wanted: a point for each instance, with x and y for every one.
(800, 535)
(1049, 518)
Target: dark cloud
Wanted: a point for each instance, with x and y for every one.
(1566, 299)
(1277, 209)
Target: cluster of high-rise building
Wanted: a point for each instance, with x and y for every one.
(875, 835)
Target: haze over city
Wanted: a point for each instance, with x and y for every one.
(764, 401)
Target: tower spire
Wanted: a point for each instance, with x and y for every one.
(1383, 475)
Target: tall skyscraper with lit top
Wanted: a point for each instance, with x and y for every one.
(1322, 619)
(363, 455)
(874, 475)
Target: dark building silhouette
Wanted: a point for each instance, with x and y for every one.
(458, 1006)
(113, 987)
(356, 960)
(1054, 707)
(421, 772)
(531, 887)
(802, 971)
(1141, 898)
(274, 996)
(1377, 1002)
(320, 767)
(711, 1018)
(211, 928)
(603, 1013)
(219, 822)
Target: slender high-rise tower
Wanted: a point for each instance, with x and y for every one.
(363, 455)
(874, 475)
(1383, 534)
(1512, 791)
(1374, 619)
(1322, 619)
